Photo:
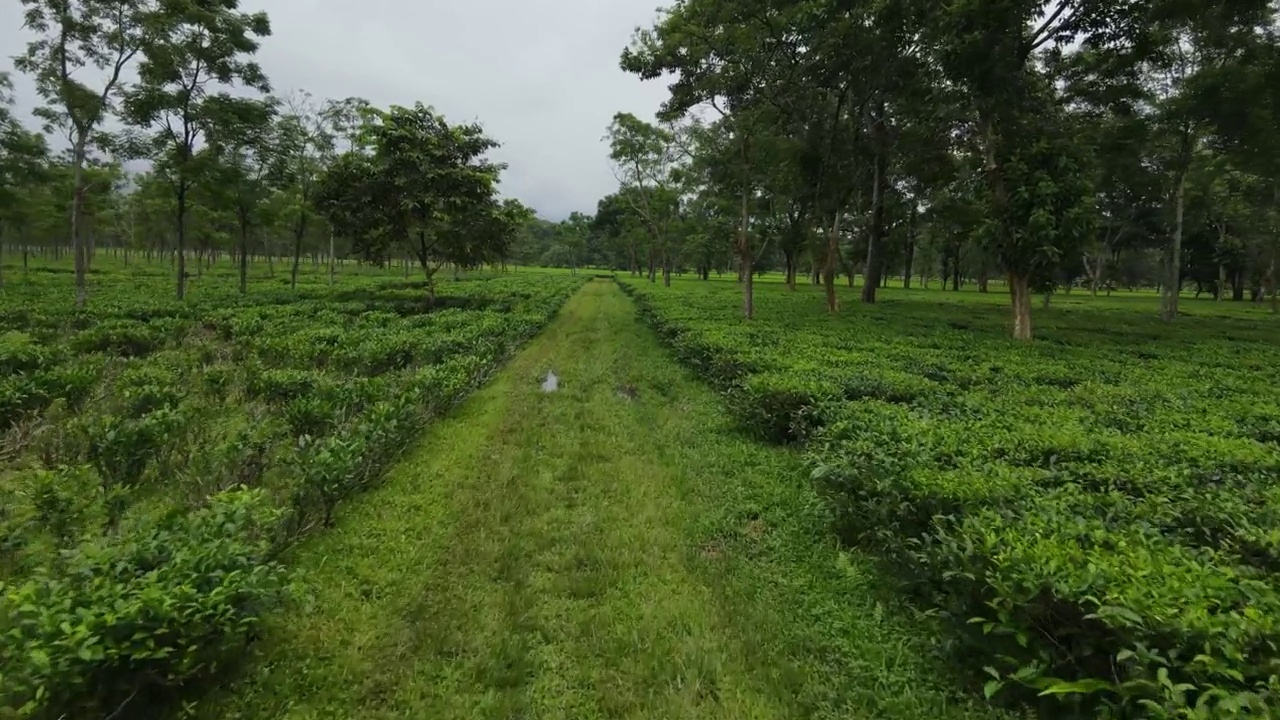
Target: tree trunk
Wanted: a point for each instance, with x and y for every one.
(1271, 283)
(332, 268)
(77, 207)
(829, 268)
(1173, 278)
(1221, 294)
(297, 256)
(1020, 295)
(244, 258)
(1271, 274)
(747, 257)
(182, 239)
(91, 248)
(871, 283)
(790, 259)
(910, 260)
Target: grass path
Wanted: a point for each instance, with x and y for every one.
(584, 554)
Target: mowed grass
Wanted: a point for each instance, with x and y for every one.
(612, 550)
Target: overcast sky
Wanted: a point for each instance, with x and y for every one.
(541, 76)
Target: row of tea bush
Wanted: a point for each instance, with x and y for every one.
(158, 457)
(1098, 511)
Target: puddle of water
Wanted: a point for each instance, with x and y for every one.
(551, 384)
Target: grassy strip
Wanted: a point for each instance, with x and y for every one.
(612, 550)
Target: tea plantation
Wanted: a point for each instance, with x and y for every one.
(157, 458)
(1087, 525)
(1097, 512)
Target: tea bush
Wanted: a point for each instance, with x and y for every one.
(157, 457)
(1098, 511)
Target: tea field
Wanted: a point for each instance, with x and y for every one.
(159, 458)
(290, 503)
(1096, 513)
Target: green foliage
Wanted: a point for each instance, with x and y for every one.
(129, 560)
(423, 185)
(1098, 513)
(168, 603)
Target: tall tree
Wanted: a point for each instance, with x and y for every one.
(645, 158)
(189, 47)
(246, 140)
(305, 146)
(75, 37)
(421, 184)
(991, 52)
(24, 161)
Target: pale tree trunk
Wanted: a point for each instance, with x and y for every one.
(1020, 295)
(1222, 283)
(1019, 282)
(1096, 272)
(829, 268)
(1173, 278)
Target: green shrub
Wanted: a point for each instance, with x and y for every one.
(1103, 506)
(130, 338)
(20, 353)
(128, 567)
(1073, 605)
(156, 609)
